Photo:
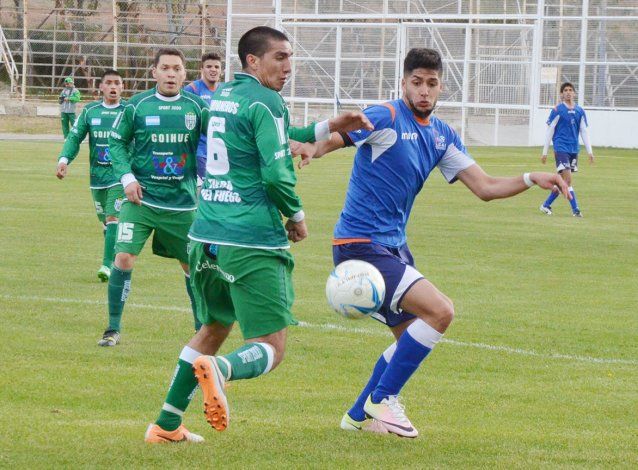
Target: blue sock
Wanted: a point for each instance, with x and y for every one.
(413, 346)
(551, 198)
(189, 290)
(356, 412)
(573, 202)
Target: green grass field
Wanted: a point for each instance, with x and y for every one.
(539, 368)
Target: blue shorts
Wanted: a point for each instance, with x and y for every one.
(397, 268)
(566, 161)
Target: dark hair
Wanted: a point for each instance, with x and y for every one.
(168, 51)
(565, 85)
(422, 58)
(110, 72)
(211, 56)
(257, 42)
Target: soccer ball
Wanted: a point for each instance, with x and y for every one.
(355, 289)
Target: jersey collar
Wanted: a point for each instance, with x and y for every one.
(167, 98)
(111, 106)
(243, 75)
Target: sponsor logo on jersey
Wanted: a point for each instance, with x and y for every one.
(152, 120)
(96, 121)
(169, 138)
(409, 136)
(230, 107)
(100, 134)
(190, 120)
(103, 155)
(439, 141)
(226, 92)
(221, 195)
(210, 265)
(166, 166)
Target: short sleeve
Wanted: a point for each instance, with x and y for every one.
(381, 117)
(455, 159)
(552, 115)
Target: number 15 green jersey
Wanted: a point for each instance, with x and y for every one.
(165, 131)
(96, 120)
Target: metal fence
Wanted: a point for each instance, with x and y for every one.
(504, 59)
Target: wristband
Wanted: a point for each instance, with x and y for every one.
(127, 179)
(322, 131)
(527, 180)
(63, 160)
(297, 216)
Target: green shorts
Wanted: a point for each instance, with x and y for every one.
(247, 285)
(170, 239)
(108, 201)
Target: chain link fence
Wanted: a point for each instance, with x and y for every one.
(504, 59)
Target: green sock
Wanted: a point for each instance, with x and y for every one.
(118, 290)
(189, 290)
(109, 243)
(180, 392)
(251, 360)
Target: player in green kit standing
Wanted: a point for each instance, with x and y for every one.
(96, 120)
(158, 175)
(240, 264)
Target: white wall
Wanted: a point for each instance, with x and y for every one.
(606, 128)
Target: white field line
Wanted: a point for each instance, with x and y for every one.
(345, 329)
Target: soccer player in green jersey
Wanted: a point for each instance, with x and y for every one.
(96, 120)
(239, 260)
(158, 175)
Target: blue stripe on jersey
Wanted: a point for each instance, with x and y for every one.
(391, 165)
(567, 130)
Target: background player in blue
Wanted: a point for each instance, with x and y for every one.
(205, 87)
(566, 121)
(390, 167)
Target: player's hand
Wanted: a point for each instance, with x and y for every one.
(591, 158)
(297, 231)
(60, 172)
(543, 159)
(133, 192)
(550, 181)
(306, 151)
(350, 121)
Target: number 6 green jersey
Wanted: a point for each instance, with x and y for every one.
(165, 132)
(96, 120)
(250, 177)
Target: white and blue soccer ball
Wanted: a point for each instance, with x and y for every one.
(355, 289)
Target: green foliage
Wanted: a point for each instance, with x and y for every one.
(558, 287)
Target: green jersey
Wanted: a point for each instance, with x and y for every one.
(95, 120)
(250, 177)
(165, 131)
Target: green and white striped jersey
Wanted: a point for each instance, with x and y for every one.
(250, 178)
(95, 120)
(165, 132)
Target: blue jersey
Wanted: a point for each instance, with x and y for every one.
(199, 88)
(390, 166)
(567, 124)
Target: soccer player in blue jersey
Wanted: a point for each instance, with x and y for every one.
(565, 123)
(205, 87)
(391, 165)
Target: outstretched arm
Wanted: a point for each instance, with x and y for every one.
(309, 151)
(489, 187)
